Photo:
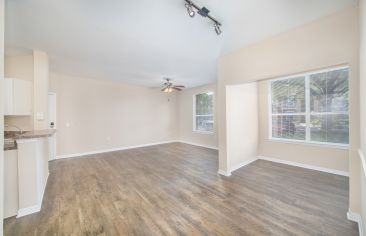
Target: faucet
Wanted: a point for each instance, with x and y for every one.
(14, 126)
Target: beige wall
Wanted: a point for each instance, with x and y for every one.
(185, 117)
(95, 115)
(40, 86)
(363, 107)
(2, 13)
(242, 124)
(20, 67)
(329, 41)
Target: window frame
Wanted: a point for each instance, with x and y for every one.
(307, 112)
(195, 115)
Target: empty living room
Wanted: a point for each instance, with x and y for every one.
(183, 117)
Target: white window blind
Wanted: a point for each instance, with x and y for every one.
(203, 112)
(311, 108)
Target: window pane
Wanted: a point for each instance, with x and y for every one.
(330, 128)
(204, 104)
(318, 91)
(337, 91)
(329, 91)
(289, 127)
(204, 123)
(288, 96)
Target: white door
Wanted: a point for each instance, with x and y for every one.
(52, 123)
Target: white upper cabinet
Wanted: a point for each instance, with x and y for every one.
(18, 97)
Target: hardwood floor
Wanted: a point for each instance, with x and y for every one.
(174, 189)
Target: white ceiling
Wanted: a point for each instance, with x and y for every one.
(141, 41)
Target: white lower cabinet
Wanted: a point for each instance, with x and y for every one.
(11, 203)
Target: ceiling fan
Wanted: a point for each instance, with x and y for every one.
(168, 86)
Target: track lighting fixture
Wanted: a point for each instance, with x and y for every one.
(204, 12)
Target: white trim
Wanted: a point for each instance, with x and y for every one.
(28, 210)
(311, 143)
(311, 167)
(198, 145)
(203, 132)
(240, 165)
(26, 140)
(363, 161)
(112, 150)
(307, 109)
(224, 173)
(355, 217)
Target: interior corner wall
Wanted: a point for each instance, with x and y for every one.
(97, 115)
(242, 124)
(328, 41)
(185, 117)
(2, 13)
(362, 152)
(40, 87)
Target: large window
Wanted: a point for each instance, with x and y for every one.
(203, 112)
(311, 107)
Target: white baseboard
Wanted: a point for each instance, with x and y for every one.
(28, 210)
(112, 150)
(311, 167)
(198, 145)
(224, 173)
(355, 217)
(240, 165)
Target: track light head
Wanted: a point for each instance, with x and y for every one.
(217, 29)
(190, 10)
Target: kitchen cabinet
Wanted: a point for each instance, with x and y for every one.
(18, 97)
(10, 183)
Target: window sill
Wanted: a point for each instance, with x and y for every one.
(314, 144)
(203, 132)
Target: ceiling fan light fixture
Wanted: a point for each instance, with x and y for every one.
(169, 87)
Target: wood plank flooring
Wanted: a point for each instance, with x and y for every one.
(174, 189)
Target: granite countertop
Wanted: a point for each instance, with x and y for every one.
(16, 135)
(36, 134)
(8, 147)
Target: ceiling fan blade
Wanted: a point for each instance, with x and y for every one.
(178, 89)
(179, 86)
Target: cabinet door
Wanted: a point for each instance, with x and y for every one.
(8, 93)
(11, 195)
(22, 97)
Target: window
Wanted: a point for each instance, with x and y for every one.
(311, 108)
(203, 112)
